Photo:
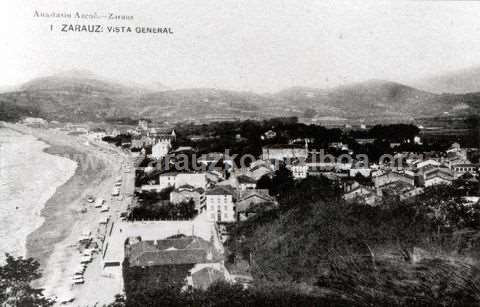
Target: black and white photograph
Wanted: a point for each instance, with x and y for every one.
(224, 153)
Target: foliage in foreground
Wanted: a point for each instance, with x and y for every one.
(16, 276)
(225, 294)
(416, 253)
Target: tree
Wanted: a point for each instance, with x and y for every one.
(473, 123)
(282, 181)
(16, 276)
(265, 182)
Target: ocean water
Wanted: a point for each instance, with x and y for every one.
(28, 178)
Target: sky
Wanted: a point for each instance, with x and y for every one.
(261, 46)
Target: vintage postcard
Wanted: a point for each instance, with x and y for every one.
(239, 153)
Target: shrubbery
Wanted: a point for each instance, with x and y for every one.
(156, 206)
(394, 254)
(16, 276)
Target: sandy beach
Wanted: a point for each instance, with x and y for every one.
(55, 243)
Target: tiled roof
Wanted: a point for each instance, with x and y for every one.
(441, 173)
(189, 188)
(397, 187)
(190, 256)
(365, 190)
(260, 166)
(397, 173)
(260, 172)
(161, 130)
(261, 193)
(221, 190)
(184, 250)
(245, 179)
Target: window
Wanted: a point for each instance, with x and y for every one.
(212, 216)
(225, 216)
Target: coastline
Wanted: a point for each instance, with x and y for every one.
(23, 199)
(61, 210)
(54, 243)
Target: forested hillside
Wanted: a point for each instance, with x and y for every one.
(397, 254)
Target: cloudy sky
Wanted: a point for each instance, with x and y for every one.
(245, 45)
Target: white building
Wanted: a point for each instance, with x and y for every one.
(197, 180)
(462, 168)
(435, 176)
(220, 204)
(174, 179)
(299, 170)
(161, 149)
(425, 163)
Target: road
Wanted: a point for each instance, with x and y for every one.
(97, 288)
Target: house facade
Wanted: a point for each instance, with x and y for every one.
(392, 176)
(248, 199)
(299, 170)
(161, 149)
(175, 179)
(220, 204)
(436, 177)
(461, 169)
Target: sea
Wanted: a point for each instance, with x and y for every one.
(28, 178)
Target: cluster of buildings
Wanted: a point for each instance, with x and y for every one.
(414, 175)
(403, 179)
(195, 248)
(223, 200)
(158, 138)
(189, 252)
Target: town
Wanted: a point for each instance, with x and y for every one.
(174, 215)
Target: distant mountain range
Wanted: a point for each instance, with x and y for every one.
(82, 96)
(456, 82)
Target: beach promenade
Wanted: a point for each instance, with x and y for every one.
(55, 244)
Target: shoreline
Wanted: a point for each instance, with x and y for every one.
(24, 202)
(61, 210)
(54, 242)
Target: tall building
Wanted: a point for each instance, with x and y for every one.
(220, 204)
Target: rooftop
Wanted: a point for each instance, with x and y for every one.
(397, 187)
(262, 193)
(245, 179)
(221, 190)
(151, 230)
(182, 250)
